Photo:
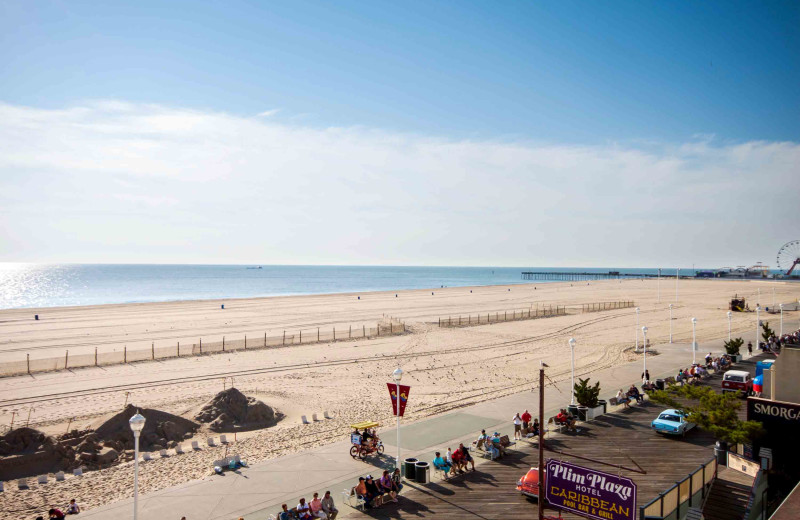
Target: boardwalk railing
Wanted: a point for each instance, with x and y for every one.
(390, 326)
(539, 311)
(691, 491)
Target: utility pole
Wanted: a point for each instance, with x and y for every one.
(541, 442)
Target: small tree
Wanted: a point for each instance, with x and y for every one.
(732, 347)
(713, 412)
(587, 395)
(766, 332)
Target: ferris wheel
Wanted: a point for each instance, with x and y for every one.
(789, 257)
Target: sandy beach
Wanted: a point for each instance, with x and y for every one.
(446, 367)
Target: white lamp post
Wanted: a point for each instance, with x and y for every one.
(572, 347)
(658, 285)
(677, 274)
(137, 425)
(644, 340)
(781, 308)
(636, 330)
(730, 314)
(397, 375)
(694, 339)
(670, 323)
(758, 324)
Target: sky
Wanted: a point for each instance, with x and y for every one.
(399, 133)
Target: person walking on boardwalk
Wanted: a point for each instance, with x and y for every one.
(517, 426)
(526, 419)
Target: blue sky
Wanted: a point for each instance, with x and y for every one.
(553, 71)
(398, 132)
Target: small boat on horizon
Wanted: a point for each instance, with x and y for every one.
(259, 267)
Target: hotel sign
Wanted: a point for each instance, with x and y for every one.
(590, 493)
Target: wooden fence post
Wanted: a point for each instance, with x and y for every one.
(201, 345)
(284, 338)
(66, 359)
(223, 343)
(29, 365)
(153, 350)
(245, 341)
(125, 354)
(179, 349)
(318, 334)
(265, 339)
(350, 332)
(95, 356)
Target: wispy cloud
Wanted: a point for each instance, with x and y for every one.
(195, 186)
(269, 113)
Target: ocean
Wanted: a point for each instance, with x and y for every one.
(41, 285)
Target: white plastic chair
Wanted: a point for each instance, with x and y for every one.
(77, 472)
(163, 453)
(42, 479)
(327, 415)
(314, 417)
(348, 499)
(195, 445)
(179, 450)
(146, 456)
(59, 476)
(223, 439)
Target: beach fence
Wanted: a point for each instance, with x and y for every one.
(533, 312)
(202, 346)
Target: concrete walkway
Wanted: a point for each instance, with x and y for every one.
(256, 492)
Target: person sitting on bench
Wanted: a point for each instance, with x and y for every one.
(441, 464)
(634, 393)
(623, 399)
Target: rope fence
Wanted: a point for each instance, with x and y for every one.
(390, 326)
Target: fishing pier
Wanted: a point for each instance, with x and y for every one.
(611, 275)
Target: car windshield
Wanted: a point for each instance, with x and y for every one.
(735, 379)
(669, 417)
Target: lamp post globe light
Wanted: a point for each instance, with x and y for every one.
(730, 314)
(636, 330)
(644, 346)
(694, 339)
(572, 348)
(670, 323)
(137, 425)
(397, 375)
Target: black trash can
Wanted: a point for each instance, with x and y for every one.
(422, 472)
(409, 468)
(573, 410)
(582, 413)
(721, 453)
(604, 404)
(659, 384)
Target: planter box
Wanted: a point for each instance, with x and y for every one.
(592, 413)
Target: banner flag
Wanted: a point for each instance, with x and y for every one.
(404, 390)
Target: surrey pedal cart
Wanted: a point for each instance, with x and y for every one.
(364, 440)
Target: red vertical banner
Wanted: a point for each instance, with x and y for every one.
(404, 390)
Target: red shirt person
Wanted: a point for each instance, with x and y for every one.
(526, 419)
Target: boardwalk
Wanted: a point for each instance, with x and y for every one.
(621, 438)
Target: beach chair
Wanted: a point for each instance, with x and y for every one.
(146, 456)
(223, 439)
(179, 450)
(77, 472)
(211, 442)
(2, 486)
(327, 415)
(60, 476)
(22, 483)
(195, 445)
(42, 479)
(304, 419)
(163, 453)
(314, 417)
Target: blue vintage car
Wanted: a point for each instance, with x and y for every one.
(672, 422)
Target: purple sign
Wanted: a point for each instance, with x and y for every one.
(589, 492)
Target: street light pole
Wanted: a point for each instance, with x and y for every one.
(397, 375)
(636, 330)
(758, 324)
(644, 340)
(694, 339)
(658, 285)
(729, 324)
(781, 308)
(572, 347)
(137, 425)
(670, 323)
(677, 274)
